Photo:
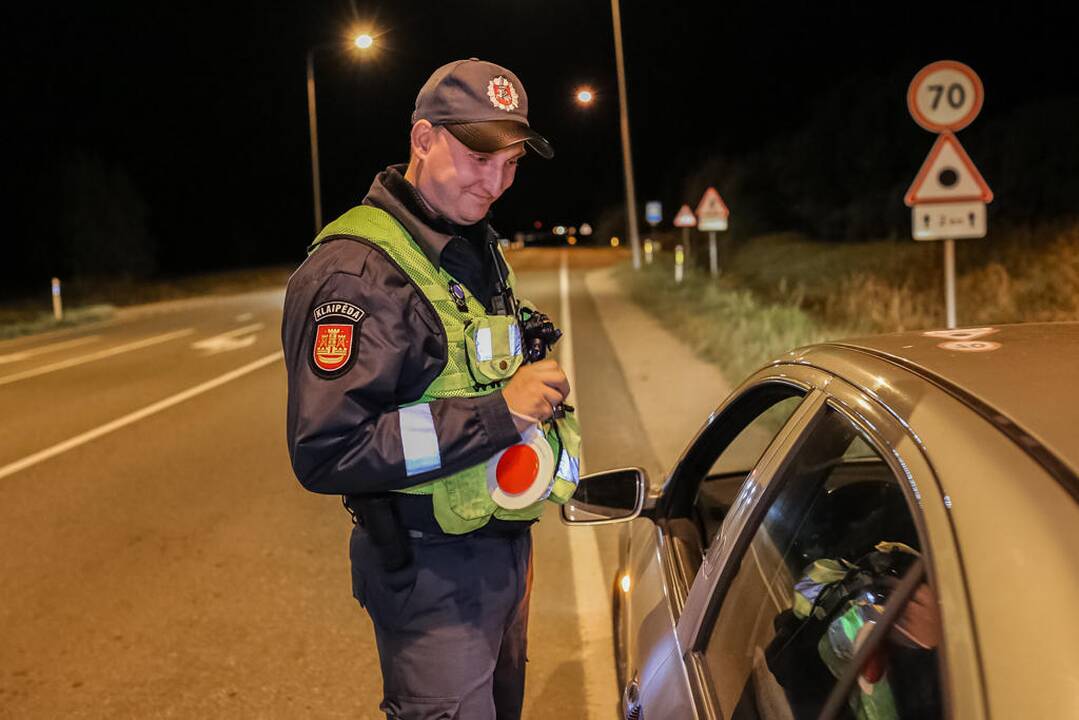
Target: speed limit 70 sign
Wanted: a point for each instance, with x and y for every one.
(945, 95)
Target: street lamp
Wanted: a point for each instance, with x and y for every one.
(363, 41)
(585, 96)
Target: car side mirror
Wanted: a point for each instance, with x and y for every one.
(606, 497)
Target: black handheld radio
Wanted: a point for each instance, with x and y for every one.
(538, 333)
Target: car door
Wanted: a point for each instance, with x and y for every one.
(663, 558)
(708, 477)
(805, 566)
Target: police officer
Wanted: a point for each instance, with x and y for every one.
(410, 394)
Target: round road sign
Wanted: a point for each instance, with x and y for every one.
(945, 95)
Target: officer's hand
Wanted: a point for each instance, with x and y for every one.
(534, 390)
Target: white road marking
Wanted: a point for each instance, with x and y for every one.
(99, 355)
(228, 340)
(244, 317)
(590, 587)
(135, 416)
(51, 347)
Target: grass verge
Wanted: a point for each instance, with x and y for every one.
(777, 292)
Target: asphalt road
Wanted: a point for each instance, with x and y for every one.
(161, 561)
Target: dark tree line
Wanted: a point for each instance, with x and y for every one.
(843, 174)
(84, 218)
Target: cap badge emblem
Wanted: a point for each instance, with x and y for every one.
(502, 93)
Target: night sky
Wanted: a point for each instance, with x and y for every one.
(203, 105)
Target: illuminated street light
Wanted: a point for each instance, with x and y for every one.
(363, 41)
(585, 96)
(559, 230)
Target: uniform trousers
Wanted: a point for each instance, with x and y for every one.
(451, 627)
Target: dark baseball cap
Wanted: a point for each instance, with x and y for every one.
(482, 104)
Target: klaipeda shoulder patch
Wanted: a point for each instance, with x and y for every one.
(338, 307)
(336, 325)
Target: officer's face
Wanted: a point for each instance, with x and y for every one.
(461, 183)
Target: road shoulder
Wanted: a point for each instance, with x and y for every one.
(674, 390)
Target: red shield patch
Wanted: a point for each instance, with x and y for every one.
(333, 346)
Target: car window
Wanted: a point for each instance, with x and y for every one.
(732, 462)
(812, 582)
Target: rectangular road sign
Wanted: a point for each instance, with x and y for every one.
(948, 221)
(712, 224)
(653, 213)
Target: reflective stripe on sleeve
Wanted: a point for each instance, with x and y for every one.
(419, 439)
(515, 339)
(483, 344)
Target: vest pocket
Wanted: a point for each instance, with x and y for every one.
(494, 349)
(467, 495)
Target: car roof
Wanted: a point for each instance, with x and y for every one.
(1023, 377)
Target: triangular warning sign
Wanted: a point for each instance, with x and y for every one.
(712, 206)
(948, 175)
(685, 217)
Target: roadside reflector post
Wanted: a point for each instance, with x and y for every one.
(679, 263)
(949, 282)
(648, 251)
(57, 301)
(685, 242)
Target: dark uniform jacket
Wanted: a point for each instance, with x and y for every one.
(343, 426)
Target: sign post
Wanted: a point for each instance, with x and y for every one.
(685, 219)
(653, 213)
(949, 195)
(712, 214)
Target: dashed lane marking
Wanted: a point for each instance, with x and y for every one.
(133, 417)
(230, 340)
(51, 347)
(99, 355)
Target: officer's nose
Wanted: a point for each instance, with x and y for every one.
(493, 179)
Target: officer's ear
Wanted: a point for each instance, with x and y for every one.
(422, 138)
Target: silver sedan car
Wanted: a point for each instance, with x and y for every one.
(877, 528)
